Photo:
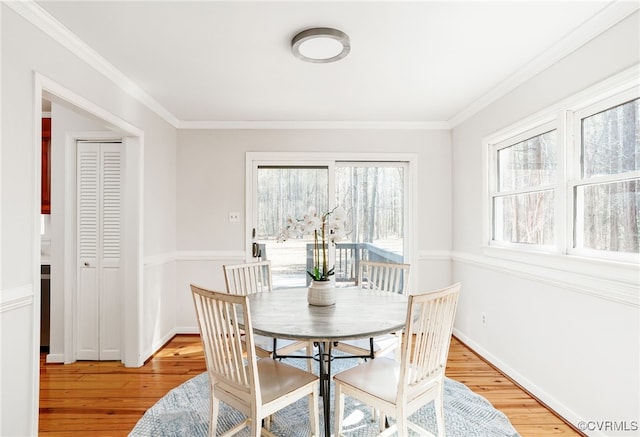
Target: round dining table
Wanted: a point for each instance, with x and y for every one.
(358, 313)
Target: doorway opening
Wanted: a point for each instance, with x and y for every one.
(64, 271)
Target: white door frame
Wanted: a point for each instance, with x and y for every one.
(253, 159)
(133, 173)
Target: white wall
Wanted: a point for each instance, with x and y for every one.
(211, 183)
(550, 331)
(26, 50)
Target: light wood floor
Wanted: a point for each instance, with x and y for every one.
(107, 399)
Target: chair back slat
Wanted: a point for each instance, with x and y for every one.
(428, 330)
(222, 338)
(248, 278)
(392, 277)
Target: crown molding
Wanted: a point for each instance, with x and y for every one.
(602, 21)
(599, 23)
(619, 82)
(44, 21)
(309, 125)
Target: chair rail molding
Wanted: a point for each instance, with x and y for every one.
(437, 255)
(617, 283)
(193, 255)
(210, 255)
(17, 297)
(159, 259)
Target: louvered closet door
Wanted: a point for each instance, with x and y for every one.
(99, 176)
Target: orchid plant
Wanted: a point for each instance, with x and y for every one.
(326, 228)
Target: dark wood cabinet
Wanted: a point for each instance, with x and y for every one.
(45, 207)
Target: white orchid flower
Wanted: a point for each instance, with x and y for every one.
(290, 222)
(283, 235)
(310, 214)
(310, 224)
(326, 228)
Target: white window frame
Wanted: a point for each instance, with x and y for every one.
(330, 160)
(575, 178)
(495, 193)
(562, 264)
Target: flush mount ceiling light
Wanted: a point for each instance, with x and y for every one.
(321, 45)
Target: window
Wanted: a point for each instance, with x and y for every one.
(523, 201)
(569, 182)
(606, 193)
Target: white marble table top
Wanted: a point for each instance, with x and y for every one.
(357, 313)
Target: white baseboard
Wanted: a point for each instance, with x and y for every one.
(549, 401)
(55, 358)
(157, 345)
(187, 330)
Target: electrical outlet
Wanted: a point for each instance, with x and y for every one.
(234, 216)
(484, 319)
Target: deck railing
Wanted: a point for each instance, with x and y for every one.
(348, 257)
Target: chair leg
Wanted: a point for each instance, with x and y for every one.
(255, 425)
(439, 408)
(310, 354)
(314, 421)
(213, 420)
(339, 410)
(402, 424)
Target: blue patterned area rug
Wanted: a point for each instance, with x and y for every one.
(184, 411)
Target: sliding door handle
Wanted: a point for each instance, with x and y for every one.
(255, 250)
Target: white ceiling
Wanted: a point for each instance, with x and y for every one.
(410, 62)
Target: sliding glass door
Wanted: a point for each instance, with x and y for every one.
(372, 195)
(283, 193)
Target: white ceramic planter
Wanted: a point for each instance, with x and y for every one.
(321, 293)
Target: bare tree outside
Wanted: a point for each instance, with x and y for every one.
(606, 193)
(528, 171)
(609, 210)
(374, 200)
(371, 195)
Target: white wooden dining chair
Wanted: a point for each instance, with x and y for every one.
(248, 278)
(373, 275)
(252, 278)
(256, 387)
(398, 389)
